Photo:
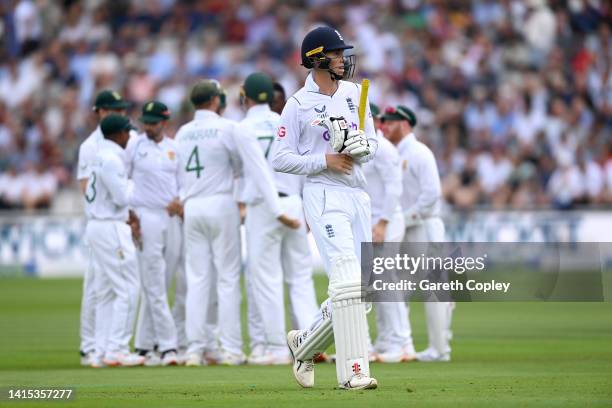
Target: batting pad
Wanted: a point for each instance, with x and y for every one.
(349, 322)
(319, 336)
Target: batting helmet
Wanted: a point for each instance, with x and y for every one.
(321, 40)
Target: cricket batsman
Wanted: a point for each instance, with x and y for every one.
(319, 136)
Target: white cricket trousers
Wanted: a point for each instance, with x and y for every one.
(88, 302)
(275, 250)
(392, 321)
(116, 283)
(438, 314)
(339, 219)
(212, 244)
(158, 259)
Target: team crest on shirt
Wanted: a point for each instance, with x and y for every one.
(321, 114)
(171, 154)
(351, 105)
(330, 231)
(404, 164)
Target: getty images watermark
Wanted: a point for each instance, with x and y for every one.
(412, 265)
(453, 271)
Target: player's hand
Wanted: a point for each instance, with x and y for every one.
(379, 230)
(356, 144)
(134, 223)
(175, 208)
(339, 162)
(289, 222)
(242, 209)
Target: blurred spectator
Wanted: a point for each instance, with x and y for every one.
(565, 185)
(28, 26)
(11, 189)
(514, 97)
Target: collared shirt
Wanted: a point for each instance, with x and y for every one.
(211, 149)
(264, 123)
(154, 170)
(384, 176)
(421, 181)
(301, 146)
(87, 153)
(108, 191)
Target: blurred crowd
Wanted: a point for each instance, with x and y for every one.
(513, 96)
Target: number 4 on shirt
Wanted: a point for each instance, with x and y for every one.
(193, 164)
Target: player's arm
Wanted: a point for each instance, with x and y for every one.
(387, 164)
(429, 184)
(130, 154)
(259, 172)
(182, 158)
(284, 154)
(175, 207)
(83, 167)
(114, 178)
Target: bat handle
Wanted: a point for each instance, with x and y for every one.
(363, 98)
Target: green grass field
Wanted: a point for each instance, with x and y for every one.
(504, 354)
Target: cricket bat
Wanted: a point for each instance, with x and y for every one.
(363, 98)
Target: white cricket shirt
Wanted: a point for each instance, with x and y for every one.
(263, 123)
(384, 176)
(87, 153)
(211, 149)
(154, 170)
(108, 192)
(420, 179)
(300, 147)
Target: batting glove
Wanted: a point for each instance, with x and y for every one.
(338, 132)
(356, 144)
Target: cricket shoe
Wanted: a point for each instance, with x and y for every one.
(169, 358)
(269, 358)
(409, 354)
(257, 353)
(152, 358)
(231, 359)
(392, 356)
(303, 370)
(431, 355)
(212, 357)
(96, 362)
(87, 358)
(401, 355)
(181, 356)
(118, 359)
(194, 360)
(360, 382)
